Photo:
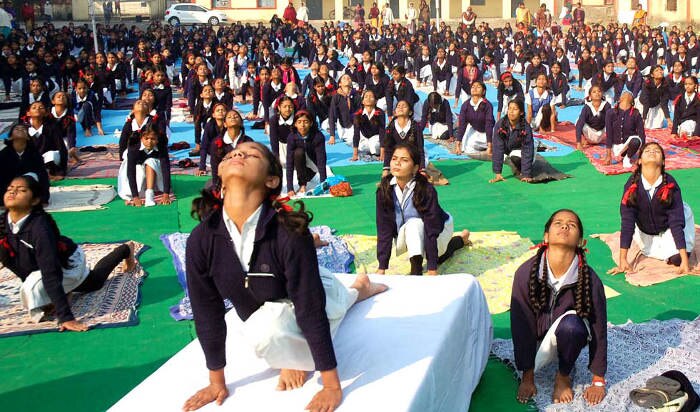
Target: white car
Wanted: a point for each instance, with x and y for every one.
(188, 13)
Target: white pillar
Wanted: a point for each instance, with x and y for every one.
(339, 10)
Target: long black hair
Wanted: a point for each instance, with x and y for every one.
(419, 192)
(538, 290)
(37, 210)
(296, 221)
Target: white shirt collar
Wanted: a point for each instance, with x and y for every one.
(80, 99)
(276, 87)
(544, 94)
(649, 187)
(15, 227)
(33, 99)
(593, 109)
(288, 122)
(135, 126)
(402, 131)
(368, 114)
(56, 116)
(689, 98)
(33, 132)
(441, 65)
(402, 195)
(234, 142)
(219, 96)
(606, 76)
(568, 278)
(475, 106)
(159, 87)
(243, 241)
(206, 105)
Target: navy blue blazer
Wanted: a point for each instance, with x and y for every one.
(214, 272)
(621, 124)
(587, 118)
(507, 139)
(481, 120)
(684, 111)
(315, 148)
(434, 220)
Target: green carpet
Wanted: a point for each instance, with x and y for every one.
(91, 371)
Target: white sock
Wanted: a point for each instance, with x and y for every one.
(150, 198)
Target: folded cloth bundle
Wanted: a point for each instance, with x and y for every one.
(669, 392)
(179, 146)
(93, 149)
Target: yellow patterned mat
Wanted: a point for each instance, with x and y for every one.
(492, 259)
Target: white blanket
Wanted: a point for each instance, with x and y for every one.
(78, 198)
(421, 346)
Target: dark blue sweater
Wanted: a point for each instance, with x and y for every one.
(214, 272)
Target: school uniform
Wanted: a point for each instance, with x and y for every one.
(237, 69)
(131, 133)
(675, 86)
(340, 116)
(291, 76)
(16, 164)
(132, 177)
(559, 86)
(88, 110)
(438, 121)
(395, 134)
(397, 58)
(201, 115)
(211, 132)
(306, 155)
(319, 106)
(403, 90)
(49, 143)
(541, 104)
(29, 98)
(379, 88)
(307, 86)
(66, 126)
(686, 115)
(607, 84)
(659, 230)
(418, 234)
(270, 93)
(465, 77)
(225, 97)
(506, 95)
(632, 84)
(423, 69)
(586, 69)
(516, 143)
(557, 332)
(644, 63)
(259, 266)
(164, 100)
(655, 103)
(476, 124)
(442, 76)
(220, 147)
(591, 122)
(194, 90)
(624, 130)
(119, 75)
(280, 129)
(532, 72)
(369, 130)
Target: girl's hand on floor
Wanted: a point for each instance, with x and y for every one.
(200, 173)
(165, 199)
(213, 392)
(137, 202)
(72, 325)
(526, 180)
(622, 268)
(684, 268)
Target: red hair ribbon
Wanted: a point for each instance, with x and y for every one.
(628, 193)
(664, 191)
(282, 202)
(5, 244)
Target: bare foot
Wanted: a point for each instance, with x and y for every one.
(130, 262)
(562, 389)
(465, 237)
(366, 288)
(526, 391)
(291, 379)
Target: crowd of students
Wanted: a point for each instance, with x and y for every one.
(362, 90)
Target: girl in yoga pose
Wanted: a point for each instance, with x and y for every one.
(49, 264)
(408, 214)
(654, 215)
(255, 250)
(558, 307)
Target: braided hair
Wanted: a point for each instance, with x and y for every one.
(538, 290)
(296, 221)
(629, 198)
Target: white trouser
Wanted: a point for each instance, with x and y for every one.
(107, 95)
(369, 144)
(587, 84)
(473, 141)
(437, 130)
(325, 125)
(52, 156)
(345, 134)
(464, 96)
(537, 120)
(442, 86)
(283, 154)
(609, 96)
(663, 246)
(592, 135)
(411, 237)
(547, 351)
(33, 296)
(425, 73)
(123, 179)
(237, 81)
(617, 149)
(655, 118)
(518, 67)
(687, 128)
(557, 99)
(274, 334)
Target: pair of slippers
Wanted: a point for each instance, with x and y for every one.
(186, 163)
(93, 149)
(179, 146)
(669, 392)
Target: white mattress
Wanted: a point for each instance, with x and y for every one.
(421, 346)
